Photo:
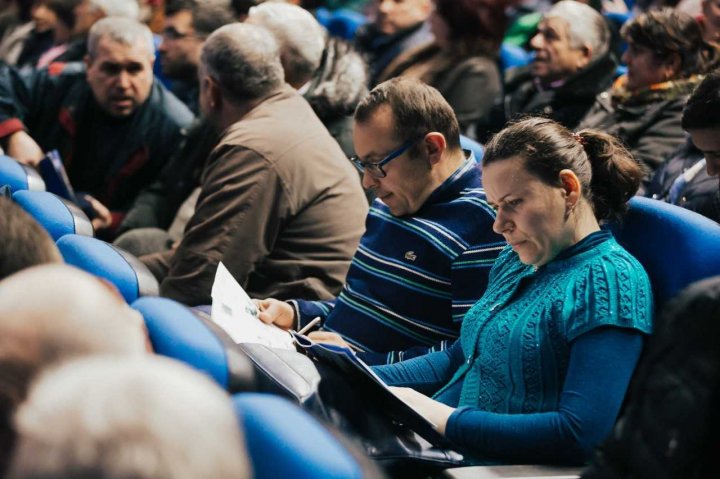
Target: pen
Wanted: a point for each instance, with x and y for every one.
(310, 325)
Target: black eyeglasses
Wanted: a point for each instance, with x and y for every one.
(171, 33)
(375, 169)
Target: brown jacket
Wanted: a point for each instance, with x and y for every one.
(279, 205)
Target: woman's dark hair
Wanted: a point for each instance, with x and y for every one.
(667, 32)
(476, 25)
(65, 10)
(607, 172)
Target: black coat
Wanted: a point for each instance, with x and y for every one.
(566, 104)
(699, 194)
(649, 124)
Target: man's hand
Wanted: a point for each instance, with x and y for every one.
(103, 218)
(329, 338)
(24, 149)
(432, 410)
(273, 311)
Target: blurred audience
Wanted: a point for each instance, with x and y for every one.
(279, 204)
(710, 20)
(143, 418)
(87, 12)
(62, 30)
(187, 24)
(328, 72)
(396, 26)
(23, 242)
(686, 178)
(666, 58)
(15, 26)
(462, 59)
(49, 314)
(572, 64)
(161, 211)
(114, 127)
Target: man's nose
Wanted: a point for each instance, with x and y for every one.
(368, 180)
(123, 80)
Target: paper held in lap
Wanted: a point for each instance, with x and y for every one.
(362, 375)
(235, 312)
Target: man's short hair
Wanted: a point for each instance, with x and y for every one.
(702, 109)
(300, 37)
(207, 15)
(124, 31)
(51, 313)
(23, 242)
(585, 26)
(417, 109)
(117, 8)
(143, 418)
(245, 61)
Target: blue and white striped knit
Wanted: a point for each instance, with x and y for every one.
(413, 278)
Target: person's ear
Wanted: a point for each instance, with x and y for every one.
(571, 186)
(435, 145)
(586, 54)
(214, 91)
(672, 66)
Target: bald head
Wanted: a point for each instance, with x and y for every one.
(66, 297)
(244, 60)
(49, 314)
(145, 418)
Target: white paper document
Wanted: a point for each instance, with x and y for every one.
(235, 312)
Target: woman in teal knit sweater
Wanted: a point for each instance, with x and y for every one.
(546, 355)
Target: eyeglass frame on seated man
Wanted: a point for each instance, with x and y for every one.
(171, 33)
(375, 169)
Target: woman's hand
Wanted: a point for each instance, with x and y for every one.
(432, 410)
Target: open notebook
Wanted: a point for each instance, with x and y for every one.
(360, 374)
(235, 312)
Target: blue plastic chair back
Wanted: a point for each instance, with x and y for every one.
(343, 23)
(286, 442)
(19, 177)
(127, 273)
(178, 332)
(472, 145)
(323, 16)
(676, 246)
(512, 56)
(57, 215)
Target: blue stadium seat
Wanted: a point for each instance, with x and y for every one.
(57, 215)
(181, 333)
(343, 23)
(676, 246)
(512, 56)
(126, 272)
(286, 442)
(472, 145)
(323, 16)
(19, 177)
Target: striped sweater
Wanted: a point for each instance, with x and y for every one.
(413, 278)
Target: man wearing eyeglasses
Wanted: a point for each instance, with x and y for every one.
(429, 244)
(187, 24)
